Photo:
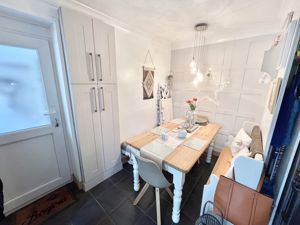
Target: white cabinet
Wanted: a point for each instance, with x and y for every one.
(104, 37)
(79, 42)
(89, 45)
(88, 123)
(110, 127)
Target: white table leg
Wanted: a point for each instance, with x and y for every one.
(210, 151)
(136, 178)
(178, 181)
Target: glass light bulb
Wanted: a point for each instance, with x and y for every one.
(200, 76)
(193, 70)
(195, 82)
(193, 63)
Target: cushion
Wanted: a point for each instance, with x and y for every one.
(244, 152)
(241, 140)
(256, 146)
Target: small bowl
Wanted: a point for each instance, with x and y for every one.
(182, 133)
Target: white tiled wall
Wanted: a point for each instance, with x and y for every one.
(243, 100)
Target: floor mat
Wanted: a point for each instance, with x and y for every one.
(40, 210)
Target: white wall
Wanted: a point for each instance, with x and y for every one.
(243, 100)
(136, 114)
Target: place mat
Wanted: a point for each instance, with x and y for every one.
(159, 130)
(156, 151)
(39, 211)
(195, 143)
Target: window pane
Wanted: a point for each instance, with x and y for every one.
(23, 100)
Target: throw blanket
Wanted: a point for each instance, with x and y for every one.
(1, 201)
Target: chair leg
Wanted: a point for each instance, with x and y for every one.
(169, 192)
(140, 195)
(157, 206)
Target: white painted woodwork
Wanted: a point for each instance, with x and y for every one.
(33, 161)
(95, 96)
(243, 100)
(90, 47)
(79, 42)
(89, 132)
(210, 151)
(105, 59)
(108, 108)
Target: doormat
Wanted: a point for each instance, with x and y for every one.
(40, 210)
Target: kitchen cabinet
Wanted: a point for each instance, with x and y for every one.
(89, 46)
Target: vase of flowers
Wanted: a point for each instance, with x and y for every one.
(191, 113)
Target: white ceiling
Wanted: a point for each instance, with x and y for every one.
(173, 20)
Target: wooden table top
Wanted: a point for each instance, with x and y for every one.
(182, 158)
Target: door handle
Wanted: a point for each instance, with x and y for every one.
(98, 56)
(56, 122)
(94, 100)
(92, 76)
(103, 101)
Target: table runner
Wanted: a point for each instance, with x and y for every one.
(158, 149)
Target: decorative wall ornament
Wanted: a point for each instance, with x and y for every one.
(148, 78)
(163, 93)
(170, 78)
(148, 82)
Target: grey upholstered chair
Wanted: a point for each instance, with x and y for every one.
(152, 175)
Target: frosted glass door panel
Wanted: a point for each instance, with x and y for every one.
(23, 102)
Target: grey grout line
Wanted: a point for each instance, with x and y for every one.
(106, 213)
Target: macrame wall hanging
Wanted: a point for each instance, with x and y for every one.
(148, 78)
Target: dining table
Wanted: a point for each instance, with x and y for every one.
(180, 156)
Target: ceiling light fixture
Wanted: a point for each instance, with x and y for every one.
(199, 50)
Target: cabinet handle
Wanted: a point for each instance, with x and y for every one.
(103, 102)
(94, 100)
(92, 76)
(100, 66)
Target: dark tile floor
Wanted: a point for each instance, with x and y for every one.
(110, 203)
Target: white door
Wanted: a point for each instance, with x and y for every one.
(109, 122)
(79, 44)
(88, 125)
(104, 40)
(33, 156)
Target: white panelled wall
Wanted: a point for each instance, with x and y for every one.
(243, 100)
(138, 115)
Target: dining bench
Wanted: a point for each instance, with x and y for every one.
(246, 170)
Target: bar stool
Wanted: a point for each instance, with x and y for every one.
(152, 175)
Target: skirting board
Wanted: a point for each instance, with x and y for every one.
(10, 211)
(101, 177)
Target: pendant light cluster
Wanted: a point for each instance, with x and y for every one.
(199, 50)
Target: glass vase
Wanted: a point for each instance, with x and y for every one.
(191, 117)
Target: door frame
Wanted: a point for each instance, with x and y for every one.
(51, 33)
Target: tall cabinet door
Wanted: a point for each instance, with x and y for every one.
(104, 38)
(89, 129)
(79, 45)
(110, 125)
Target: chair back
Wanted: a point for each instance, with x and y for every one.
(151, 173)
